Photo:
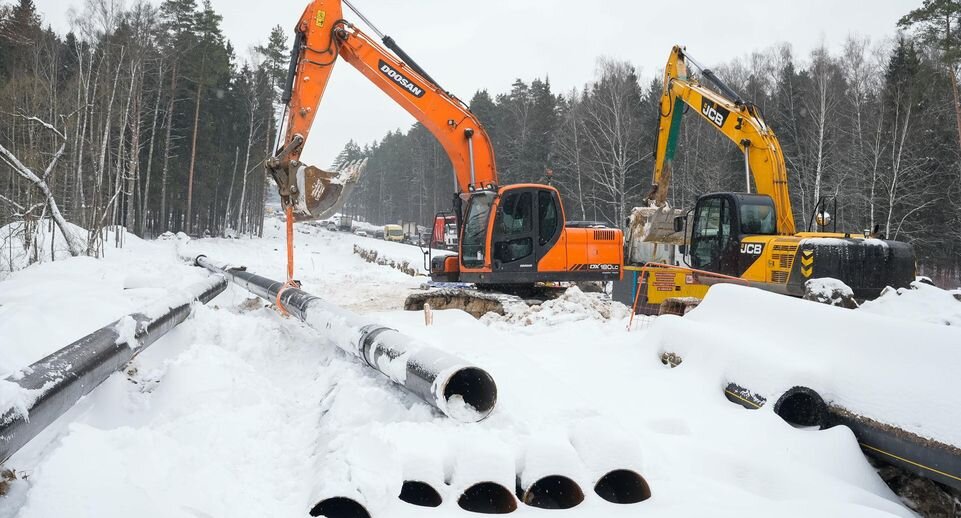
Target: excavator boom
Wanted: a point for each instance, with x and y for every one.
(737, 120)
(323, 36)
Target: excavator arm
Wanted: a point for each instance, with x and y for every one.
(323, 36)
(739, 121)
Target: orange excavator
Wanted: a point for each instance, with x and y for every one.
(508, 234)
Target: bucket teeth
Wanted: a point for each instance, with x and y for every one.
(321, 193)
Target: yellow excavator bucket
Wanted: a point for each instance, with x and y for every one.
(322, 193)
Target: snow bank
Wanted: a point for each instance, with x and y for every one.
(893, 370)
(573, 306)
(922, 303)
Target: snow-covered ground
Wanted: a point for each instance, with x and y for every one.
(240, 412)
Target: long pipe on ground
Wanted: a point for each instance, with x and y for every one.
(459, 390)
(802, 406)
(57, 382)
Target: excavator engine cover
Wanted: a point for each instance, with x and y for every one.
(867, 266)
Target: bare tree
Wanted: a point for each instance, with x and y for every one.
(74, 243)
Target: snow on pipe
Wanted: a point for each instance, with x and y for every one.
(459, 390)
(613, 460)
(482, 476)
(802, 406)
(58, 381)
(539, 482)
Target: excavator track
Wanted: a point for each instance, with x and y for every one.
(480, 300)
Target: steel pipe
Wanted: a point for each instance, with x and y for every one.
(803, 407)
(459, 390)
(613, 460)
(548, 474)
(58, 381)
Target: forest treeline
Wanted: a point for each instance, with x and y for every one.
(147, 117)
(143, 117)
(873, 125)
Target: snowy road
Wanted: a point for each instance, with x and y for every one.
(242, 413)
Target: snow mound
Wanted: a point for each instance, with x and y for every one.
(573, 306)
(827, 290)
(921, 302)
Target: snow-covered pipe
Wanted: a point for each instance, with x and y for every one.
(340, 507)
(803, 407)
(55, 383)
(459, 390)
(539, 479)
(613, 460)
(483, 475)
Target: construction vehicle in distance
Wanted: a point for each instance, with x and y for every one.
(747, 237)
(393, 233)
(508, 235)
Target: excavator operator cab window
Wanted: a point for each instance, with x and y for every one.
(474, 241)
(513, 240)
(711, 237)
(757, 218)
(546, 217)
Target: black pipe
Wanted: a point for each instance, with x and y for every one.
(802, 406)
(62, 378)
(457, 389)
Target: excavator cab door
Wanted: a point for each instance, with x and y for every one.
(526, 225)
(714, 238)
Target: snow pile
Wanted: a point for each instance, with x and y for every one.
(827, 290)
(921, 302)
(573, 306)
(13, 396)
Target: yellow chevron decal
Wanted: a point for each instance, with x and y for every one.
(807, 270)
(807, 261)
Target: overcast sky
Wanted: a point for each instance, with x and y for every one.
(469, 45)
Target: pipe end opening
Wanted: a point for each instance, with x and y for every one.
(339, 507)
(487, 498)
(420, 493)
(623, 486)
(801, 407)
(552, 492)
(470, 394)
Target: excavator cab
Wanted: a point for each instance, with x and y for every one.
(516, 235)
(721, 222)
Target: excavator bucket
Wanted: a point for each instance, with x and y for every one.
(655, 225)
(321, 193)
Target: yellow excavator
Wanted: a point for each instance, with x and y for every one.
(744, 237)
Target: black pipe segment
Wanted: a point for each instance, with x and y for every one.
(459, 390)
(420, 493)
(801, 407)
(623, 486)
(62, 378)
(339, 507)
(487, 498)
(551, 492)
